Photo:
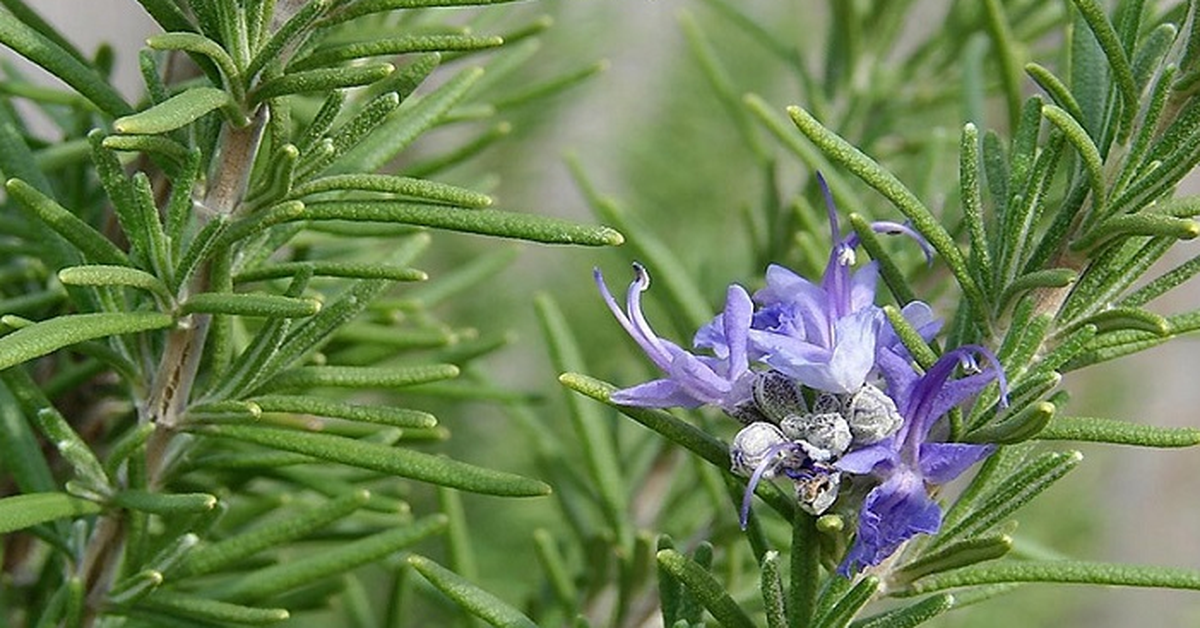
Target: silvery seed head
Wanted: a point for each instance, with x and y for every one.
(871, 415)
(826, 435)
(758, 443)
(778, 395)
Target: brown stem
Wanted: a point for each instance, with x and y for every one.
(172, 384)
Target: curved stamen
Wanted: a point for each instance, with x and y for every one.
(770, 460)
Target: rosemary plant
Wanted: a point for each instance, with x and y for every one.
(212, 343)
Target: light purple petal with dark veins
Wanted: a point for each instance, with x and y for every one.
(660, 393)
(892, 513)
(864, 460)
(942, 462)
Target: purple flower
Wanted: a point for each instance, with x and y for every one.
(909, 462)
(824, 335)
(723, 380)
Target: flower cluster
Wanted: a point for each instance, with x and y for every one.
(825, 391)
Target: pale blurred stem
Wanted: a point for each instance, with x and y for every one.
(172, 383)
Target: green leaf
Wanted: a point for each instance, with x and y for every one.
(340, 558)
(1110, 43)
(1132, 318)
(953, 556)
(1140, 224)
(1005, 51)
(1063, 572)
(90, 242)
(554, 566)
(47, 54)
(404, 44)
(22, 511)
(201, 45)
(844, 610)
(902, 198)
(398, 130)
(103, 275)
(478, 602)
(1016, 427)
(17, 161)
(909, 616)
(774, 604)
(352, 270)
(385, 459)
(20, 453)
(321, 80)
(805, 570)
(172, 151)
(1007, 496)
(307, 377)
(186, 606)
(402, 186)
(484, 222)
(1092, 160)
(165, 503)
(45, 337)
(1116, 432)
(1048, 278)
(316, 406)
(700, 583)
(1055, 88)
(266, 305)
(178, 111)
(297, 525)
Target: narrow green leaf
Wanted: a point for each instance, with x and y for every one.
(1062, 572)
(805, 571)
(385, 459)
(1055, 88)
(901, 197)
(774, 604)
(1007, 496)
(298, 525)
(404, 44)
(186, 606)
(970, 193)
(400, 129)
(102, 275)
(54, 426)
(322, 121)
(1116, 432)
(90, 242)
(403, 186)
(1083, 144)
(1110, 43)
(178, 111)
(478, 602)
(953, 556)
(165, 503)
(172, 151)
(910, 337)
(1140, 224)
(321, 564)
(367, 7)
(307, 377)
(29, 43)
(1119, 318)
(705, 588)
(383, 415)
(201, 45)
(22, 511)
(321, 80)
(267, 305)
(844, 610)
(485, 222)
(352, 270)
(48, 336)
(17, 161)
(1049, 278)
(909, 616)
(1015, 428)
